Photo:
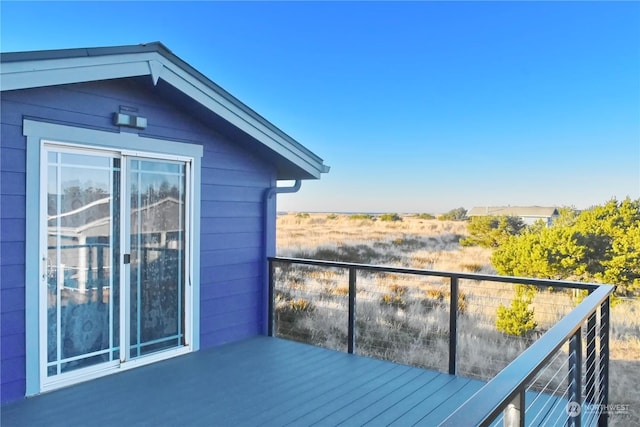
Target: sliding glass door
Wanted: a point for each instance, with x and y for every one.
(157, 191)
(115, 241)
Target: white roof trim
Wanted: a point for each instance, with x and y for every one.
(51, 72)
(155, 67)
(159, 64)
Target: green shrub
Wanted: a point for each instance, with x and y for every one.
(360, 216)
(458, 214)
(391, 217)
(492, 231)
(518, 319)
(425, 216)
(332, 216)
(303, 215)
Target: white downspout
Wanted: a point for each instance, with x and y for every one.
(269, 241)
(269, 234)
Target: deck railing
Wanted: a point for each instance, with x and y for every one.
(564, 373)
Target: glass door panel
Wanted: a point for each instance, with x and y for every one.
(114, 256)
(82, 256)
(157, 255)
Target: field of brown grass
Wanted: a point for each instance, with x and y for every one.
(401, 318)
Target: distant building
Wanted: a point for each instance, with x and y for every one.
(529, 214)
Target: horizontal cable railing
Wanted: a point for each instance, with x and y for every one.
(507, 390)
(438, 320)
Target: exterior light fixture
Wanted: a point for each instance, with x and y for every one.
(129, 120)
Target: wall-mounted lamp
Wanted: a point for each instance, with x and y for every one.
(120, 119)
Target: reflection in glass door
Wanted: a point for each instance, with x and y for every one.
(114, 259)
(82, 260)
(157, 241)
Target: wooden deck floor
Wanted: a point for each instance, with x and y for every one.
(259, 382)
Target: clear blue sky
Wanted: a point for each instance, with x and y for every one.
(417, 106)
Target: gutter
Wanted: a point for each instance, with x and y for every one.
(269, 242)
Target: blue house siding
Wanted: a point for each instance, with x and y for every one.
(232, 246)
(232, 208)
(12, 232)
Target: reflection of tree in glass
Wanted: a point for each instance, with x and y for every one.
(154, 194)
(76, 197)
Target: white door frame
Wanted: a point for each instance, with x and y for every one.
(38, 134)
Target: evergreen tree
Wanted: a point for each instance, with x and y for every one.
(601, 244)
(491, 231)
(518, 319)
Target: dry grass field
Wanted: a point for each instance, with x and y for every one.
(405, 318)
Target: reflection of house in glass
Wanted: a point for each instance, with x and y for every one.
(88, 251)
(86, 234)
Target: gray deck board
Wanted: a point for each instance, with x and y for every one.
(303, 385)
(439, 395)
(460, 389)
(398, 409)
(259, 382)
(296, 406)
(361, 387)
(354, 411)
(380, 400)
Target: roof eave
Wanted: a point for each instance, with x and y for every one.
(23, 70)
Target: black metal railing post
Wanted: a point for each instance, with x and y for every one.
(271, 302)
(603, 420)
(453, 326)
(351, 335)
(575, 379)
(591, 360)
